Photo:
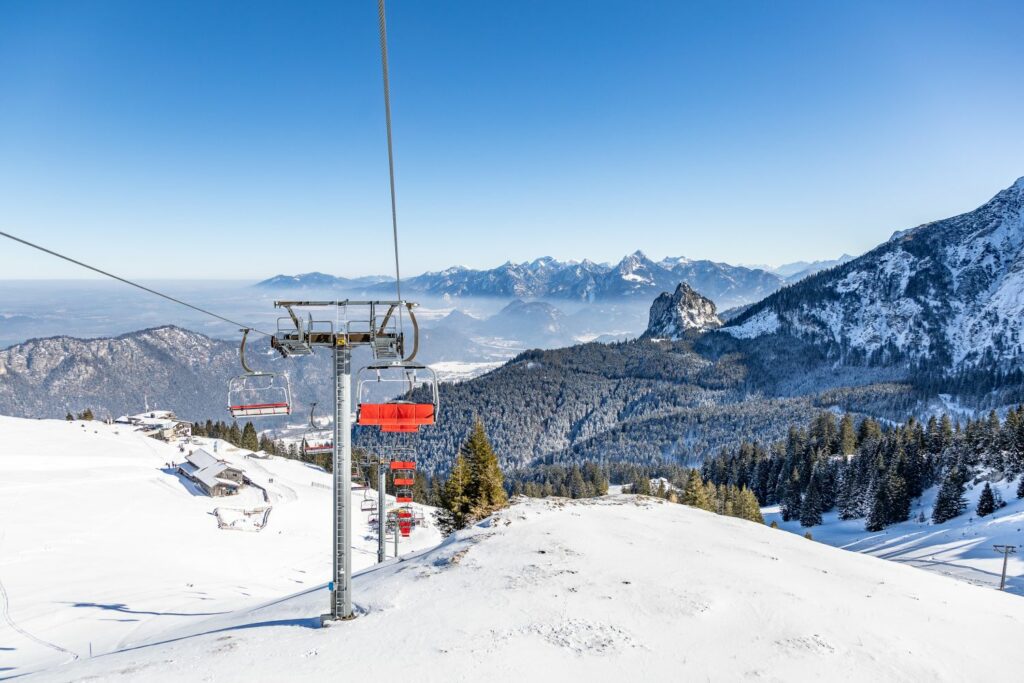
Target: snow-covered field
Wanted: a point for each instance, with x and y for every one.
(604, 590)
(102, 546)
(961, 547)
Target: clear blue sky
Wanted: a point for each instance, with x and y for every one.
(242, 139)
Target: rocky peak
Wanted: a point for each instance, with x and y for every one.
(685, 309)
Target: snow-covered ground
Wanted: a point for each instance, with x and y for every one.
(103, 546)
(459, 371)
(961, 547)
(604, 590)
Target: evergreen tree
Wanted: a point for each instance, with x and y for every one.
(485, 486)
(878, 516)
(950, 502)
(249, 440)
(234, 435)
(641, 486)
(748, 507)
(1020, 488)
(810, 509)
(694, 493)
(791, 501)
(986, 501)
(454, 511)
(847, 436)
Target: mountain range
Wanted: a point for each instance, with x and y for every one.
(937, 309)
(634, 277)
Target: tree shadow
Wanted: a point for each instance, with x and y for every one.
(124, 609)
(303, 622)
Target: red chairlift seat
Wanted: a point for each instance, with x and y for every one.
(397, 416)
(397, 397)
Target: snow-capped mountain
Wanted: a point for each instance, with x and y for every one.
(948, 293)
(672, 315)
(635, 276)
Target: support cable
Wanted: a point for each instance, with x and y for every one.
(133, 284)
(383, 30)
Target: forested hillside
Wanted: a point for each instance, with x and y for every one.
(869, 472)
(643, 402)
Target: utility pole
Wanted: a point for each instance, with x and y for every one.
(1005, 550)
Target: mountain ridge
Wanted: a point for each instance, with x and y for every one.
(635, 275)
(949, 292)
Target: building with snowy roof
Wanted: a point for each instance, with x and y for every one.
(215, 477)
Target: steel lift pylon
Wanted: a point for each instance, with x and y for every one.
(381, 330)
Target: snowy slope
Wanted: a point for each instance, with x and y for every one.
(960, 547)
(601, 590)
(100, 544)
(950, 292)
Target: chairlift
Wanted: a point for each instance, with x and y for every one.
(368, 505)
(258, 394)
(317, 441)
(397, 397)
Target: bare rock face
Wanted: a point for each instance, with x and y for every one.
(685, 309)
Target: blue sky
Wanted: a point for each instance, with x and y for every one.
(242, 139)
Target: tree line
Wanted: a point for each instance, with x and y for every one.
(866, 470)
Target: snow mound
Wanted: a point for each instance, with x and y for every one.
(598, 590)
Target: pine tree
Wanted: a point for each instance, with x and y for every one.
(642, 485)
(810, 509)
(234, 436)
(878, 516)
(847, 435)
(792, 500)
(454, 511)
(1020, 488)
(694, 493)
(485, 487)
(748, 507)
(249, 440)
(950, 502)
(986, 501)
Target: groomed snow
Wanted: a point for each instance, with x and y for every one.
(612, 589)
(102, 546)
(960, 547)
